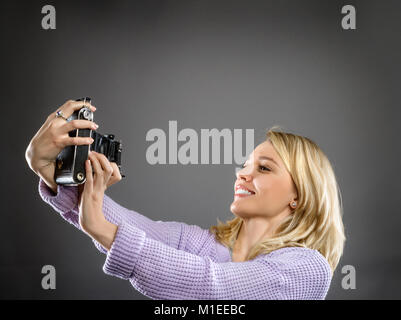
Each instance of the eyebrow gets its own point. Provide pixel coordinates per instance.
(268, 158)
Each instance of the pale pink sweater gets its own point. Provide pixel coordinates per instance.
(173, 260)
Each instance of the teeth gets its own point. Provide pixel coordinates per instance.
(242, 191)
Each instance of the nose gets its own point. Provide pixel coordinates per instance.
(245, 173)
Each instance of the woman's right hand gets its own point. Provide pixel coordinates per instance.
(53, 137)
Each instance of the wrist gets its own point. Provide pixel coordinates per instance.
(45, 170)
(31, 158)
(49, 182)
(103, 232)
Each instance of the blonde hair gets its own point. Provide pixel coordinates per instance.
(316, 223)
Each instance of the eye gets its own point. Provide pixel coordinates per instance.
(264, 168)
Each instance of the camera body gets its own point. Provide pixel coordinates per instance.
(70, 162)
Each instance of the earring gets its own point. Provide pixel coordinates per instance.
(294, 204)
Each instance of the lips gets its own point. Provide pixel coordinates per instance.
(242, 192)
(242, 195)
(241, 186)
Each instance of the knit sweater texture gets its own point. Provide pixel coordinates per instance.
(169, 260)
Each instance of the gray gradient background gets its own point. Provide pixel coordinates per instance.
(207, 64)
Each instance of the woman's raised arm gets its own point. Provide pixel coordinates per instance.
(65, 202)
(41, 155)
(162, 272)
(179, 235)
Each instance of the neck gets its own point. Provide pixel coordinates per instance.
(254, 230)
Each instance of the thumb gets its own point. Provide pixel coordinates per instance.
(116, 175)
(80, 190)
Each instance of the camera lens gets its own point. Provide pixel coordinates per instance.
(86, 114)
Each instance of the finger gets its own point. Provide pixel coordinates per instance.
(81, 188)
(116, 171)
(116, 176)
(78, 124)
(70, 106)
(78, 141)
(98, 177)
(89, 176)
(106, 166)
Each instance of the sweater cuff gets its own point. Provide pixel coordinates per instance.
(65, 200)
(124, 251)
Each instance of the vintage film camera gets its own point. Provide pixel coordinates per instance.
(70, 162)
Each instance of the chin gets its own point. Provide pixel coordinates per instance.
(240, 210)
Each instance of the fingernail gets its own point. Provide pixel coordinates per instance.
(95, 126)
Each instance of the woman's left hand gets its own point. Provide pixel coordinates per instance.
(91, 217)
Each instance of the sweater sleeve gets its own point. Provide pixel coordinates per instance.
(162, 272)
(178, 235)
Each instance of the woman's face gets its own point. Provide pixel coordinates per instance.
(270, 182)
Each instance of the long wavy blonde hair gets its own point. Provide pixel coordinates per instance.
(316, 223)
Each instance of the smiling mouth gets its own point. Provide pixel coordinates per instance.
(243, 194)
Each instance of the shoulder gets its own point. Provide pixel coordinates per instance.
(297, 255)
(305, 272)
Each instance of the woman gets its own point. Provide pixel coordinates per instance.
(284, 242)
